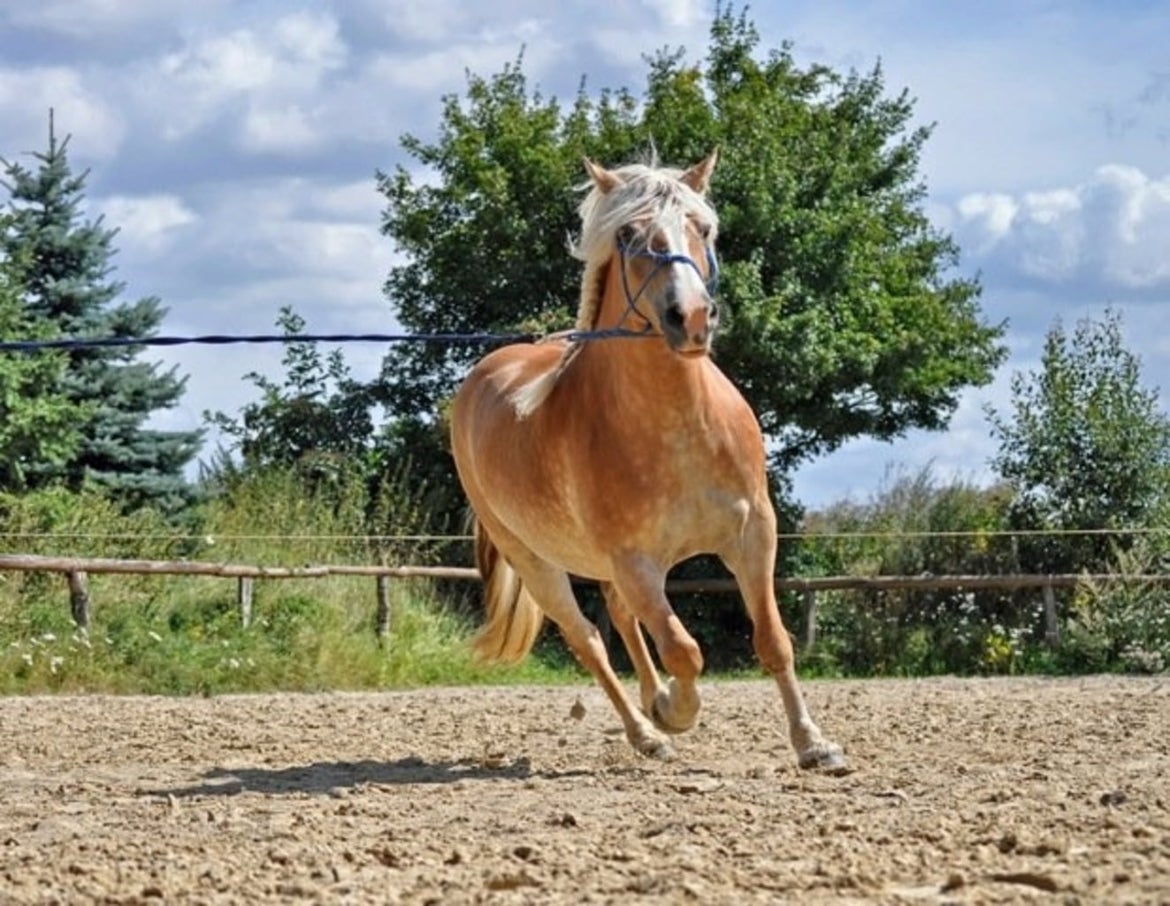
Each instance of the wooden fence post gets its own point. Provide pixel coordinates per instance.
(79, 598)
(1051, 624)
(244, 599)
(382, 614)
(810, 618)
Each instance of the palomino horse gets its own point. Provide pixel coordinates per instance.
(614, 459)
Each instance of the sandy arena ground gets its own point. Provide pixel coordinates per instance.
(963, 791)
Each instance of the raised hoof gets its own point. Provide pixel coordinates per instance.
(827, 758)
(657, 714)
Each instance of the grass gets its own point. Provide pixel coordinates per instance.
(182, 636)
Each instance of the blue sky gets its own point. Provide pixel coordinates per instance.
(234, 144)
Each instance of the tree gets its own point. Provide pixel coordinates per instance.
(1085, 448)
(38, 424)
(318, 420)
(64, 271)
(844, 318)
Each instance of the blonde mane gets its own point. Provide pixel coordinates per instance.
(640, 192)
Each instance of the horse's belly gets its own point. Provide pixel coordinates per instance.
(550, 527)
(585, 539)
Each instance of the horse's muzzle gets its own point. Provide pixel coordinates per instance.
(690, 332)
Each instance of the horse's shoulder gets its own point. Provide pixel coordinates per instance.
(526, 374)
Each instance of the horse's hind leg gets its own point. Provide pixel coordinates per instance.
(649, 684)
(752, 567)
(550, 588)
(640, 585)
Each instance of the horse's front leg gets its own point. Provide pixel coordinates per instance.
(640, 584)
(753, 564)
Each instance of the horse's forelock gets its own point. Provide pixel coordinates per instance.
(644, 192)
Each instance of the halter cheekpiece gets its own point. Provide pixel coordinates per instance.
(661, 260)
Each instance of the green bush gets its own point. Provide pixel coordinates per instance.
(1122, 625)
(912, 526)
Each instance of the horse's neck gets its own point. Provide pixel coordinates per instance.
(640, 370)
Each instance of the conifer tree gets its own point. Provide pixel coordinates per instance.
(38, 424)
(63, 266)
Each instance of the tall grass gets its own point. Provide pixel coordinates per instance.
(183, 634)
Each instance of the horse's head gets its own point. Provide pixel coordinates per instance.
(658, 228)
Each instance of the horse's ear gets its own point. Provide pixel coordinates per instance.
(602, 178)
(698, 177)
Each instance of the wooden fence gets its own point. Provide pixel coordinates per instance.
(77, 569)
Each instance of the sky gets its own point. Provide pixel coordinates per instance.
(234, 145)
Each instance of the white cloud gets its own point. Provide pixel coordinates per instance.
(1112, 230)
(989, 216)
(444, 23)
(288, 128)
(275, 76)
(27, 95)
(89, 18)
(426, 20)
(678, 13)
(146, 222)
(438, 70)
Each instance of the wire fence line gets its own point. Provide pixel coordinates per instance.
(77, 571)
(892, 534)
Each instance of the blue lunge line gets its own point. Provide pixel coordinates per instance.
(454, 339)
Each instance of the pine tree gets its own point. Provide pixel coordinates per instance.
(63, 266)
(38, 424)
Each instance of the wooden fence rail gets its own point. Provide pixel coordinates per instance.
(77, 569)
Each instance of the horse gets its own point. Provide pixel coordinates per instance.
(614, 458)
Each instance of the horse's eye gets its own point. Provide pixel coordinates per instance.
(626, 235)
(705, 230)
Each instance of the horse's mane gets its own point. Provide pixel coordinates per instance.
(642, 192)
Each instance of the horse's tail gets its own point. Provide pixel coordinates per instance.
(513, 617)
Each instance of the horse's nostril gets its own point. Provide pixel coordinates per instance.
(674, 316)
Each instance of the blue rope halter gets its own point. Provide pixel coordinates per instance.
(661, 260)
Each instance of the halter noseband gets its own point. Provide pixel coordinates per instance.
(661, 260)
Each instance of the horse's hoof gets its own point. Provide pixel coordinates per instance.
(661, 723)
(662, 704)
(826, 758)
(658, 749)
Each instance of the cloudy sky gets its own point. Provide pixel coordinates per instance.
(234, 144)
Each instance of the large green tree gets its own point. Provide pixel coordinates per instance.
(846, 316)
(1085, 448)
(63, 267)
(38, 423)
